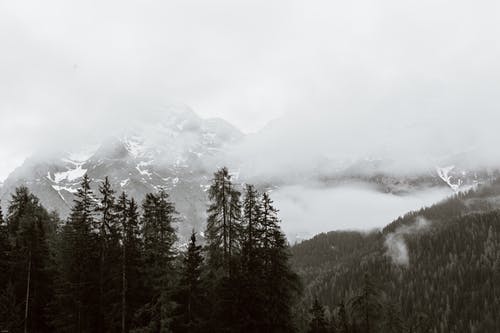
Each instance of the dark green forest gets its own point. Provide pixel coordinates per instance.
(117, 265)
(450, 283)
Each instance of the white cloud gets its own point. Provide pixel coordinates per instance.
(395, 242)
(395, 78)
(308, 210)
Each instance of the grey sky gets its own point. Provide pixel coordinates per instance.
(376, 77)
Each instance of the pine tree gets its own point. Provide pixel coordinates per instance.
(281, 285)
(4, 252)
(191, 294)
(270, 225)
(159, 235)
(122, 216)
(28, 224)
(252, 215)
(367, 306)
(135, 261)
(318, 323)
(77, 257)
(105, 223)
(131, 261)
(223, 236)
(223, 226)
(252, 293)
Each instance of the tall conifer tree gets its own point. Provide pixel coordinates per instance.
(282, 283)
(270, 224)
(4, 251)
(131, 261)
(367, 306)
(109, 253)
(77, 256)
(29, 227)
(318, 323)
(191, 296)
(252, 280)
(223, 228)
(223, 236)
(159, 235)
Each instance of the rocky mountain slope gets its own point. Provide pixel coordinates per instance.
(178, 154)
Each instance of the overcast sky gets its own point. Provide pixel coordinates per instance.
(366, 74)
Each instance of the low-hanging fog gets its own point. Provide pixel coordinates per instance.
(306, 211)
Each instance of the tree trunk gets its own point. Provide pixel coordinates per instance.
(124, 288)
(26, 309)
(224, 222)
(101, 292)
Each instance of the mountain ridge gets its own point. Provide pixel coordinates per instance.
(179, 152)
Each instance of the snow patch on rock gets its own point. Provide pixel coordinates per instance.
(142, 171)
(445, 174)
(70, 175)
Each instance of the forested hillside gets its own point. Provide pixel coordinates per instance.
(434, 270)
(115, 267)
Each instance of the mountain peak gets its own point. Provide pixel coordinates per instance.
(177, 151)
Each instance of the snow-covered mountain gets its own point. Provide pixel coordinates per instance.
(180, 151)
(178, 154)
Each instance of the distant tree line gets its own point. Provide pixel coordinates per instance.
(113, 266)
(451, 283)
